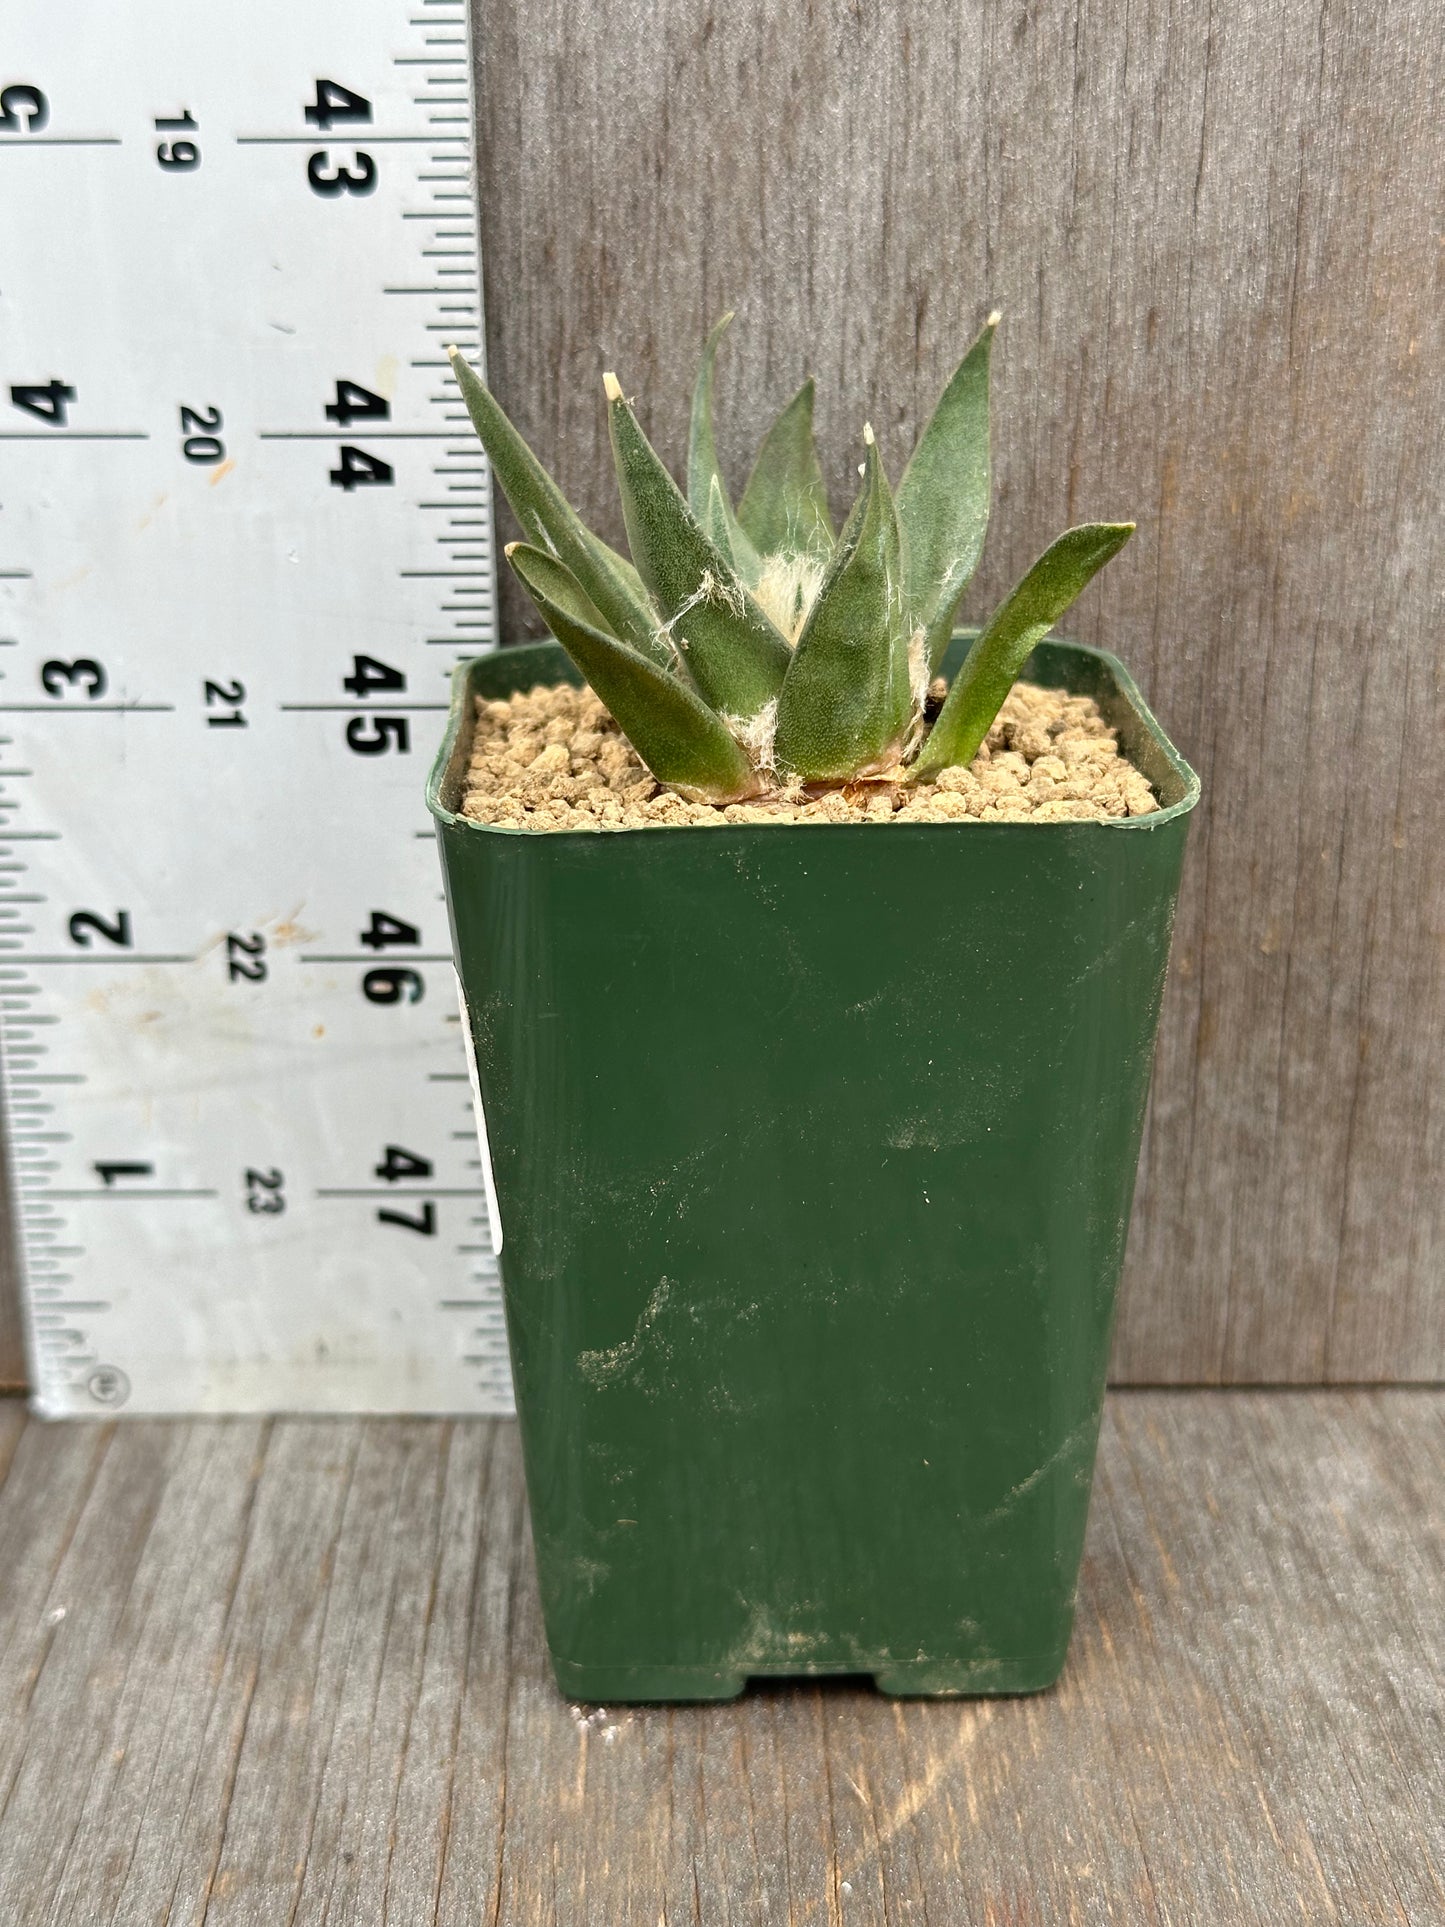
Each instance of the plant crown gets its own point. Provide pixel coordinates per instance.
(749, 648)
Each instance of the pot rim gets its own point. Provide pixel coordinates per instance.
(446, 766)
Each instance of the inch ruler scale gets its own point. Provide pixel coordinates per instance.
(245, 532)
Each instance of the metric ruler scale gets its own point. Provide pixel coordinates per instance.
(244, 535)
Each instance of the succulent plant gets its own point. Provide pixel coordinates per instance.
(752, 648)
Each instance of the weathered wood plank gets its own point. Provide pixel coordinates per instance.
(1213, 235)
(453, 1790)
(294, 1672)
(132, 1694)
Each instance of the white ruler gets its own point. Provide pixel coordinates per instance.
(244, 534)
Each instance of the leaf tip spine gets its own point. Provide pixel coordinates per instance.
(611, 386)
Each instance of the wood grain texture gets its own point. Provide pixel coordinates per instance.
(1213, 231)
(292, 1672)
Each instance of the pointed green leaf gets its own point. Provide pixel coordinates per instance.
(702, 462)
(703, 468)
(541, 574)
(674, 732)
(733, 653)
(943, 497)
(544, 512)
(1061, 573)
(847, 700)
(785, 505)
(715, 522)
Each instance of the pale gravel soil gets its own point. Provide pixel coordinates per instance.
(551, 758)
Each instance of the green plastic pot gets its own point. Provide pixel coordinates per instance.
(813, 1150)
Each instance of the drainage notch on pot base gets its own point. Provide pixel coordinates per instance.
(922, 1679)
(813, 1148)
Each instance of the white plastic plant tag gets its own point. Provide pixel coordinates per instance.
(484, 1148)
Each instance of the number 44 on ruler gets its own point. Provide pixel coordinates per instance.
(244, 534)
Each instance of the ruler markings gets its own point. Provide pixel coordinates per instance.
(372, 140)
(374, 435)
(221, 1078)
(75, 435)
(465, 1191)
(110, 963)
(361, 957)
(129, 1197)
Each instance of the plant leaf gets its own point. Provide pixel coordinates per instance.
(785, 505)
(680, 739)
(610, 581)
(715, 521)
(943, 497)
(847, 700)
(732, 652)
(541, 575)
(702, 463)
(1026, 615)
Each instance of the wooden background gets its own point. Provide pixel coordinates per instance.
(1215, 233)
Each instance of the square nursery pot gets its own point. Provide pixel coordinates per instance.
(813, 1150)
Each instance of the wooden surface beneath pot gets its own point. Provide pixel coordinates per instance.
(254, 1673)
